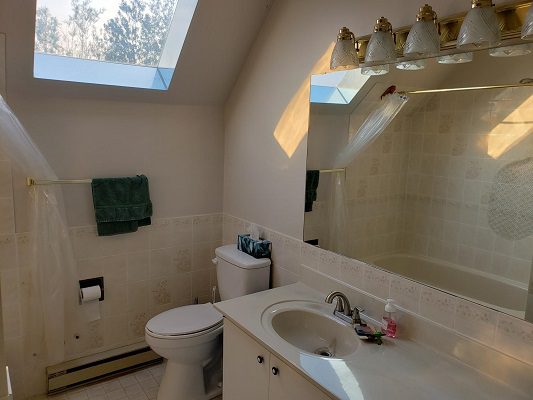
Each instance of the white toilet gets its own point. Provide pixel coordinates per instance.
(190, 337)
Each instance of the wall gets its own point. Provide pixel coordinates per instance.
(267, 113)
(423, 187)
(457, 146)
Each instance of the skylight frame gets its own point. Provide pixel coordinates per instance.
(72, 69)
(339, 87)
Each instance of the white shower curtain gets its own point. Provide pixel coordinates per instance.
(52, 287)
(337, 215)
(374, 125)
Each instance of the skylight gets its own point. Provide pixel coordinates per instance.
(131, 43)
(337, 87)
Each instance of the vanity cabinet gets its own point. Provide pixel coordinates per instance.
(252, 372)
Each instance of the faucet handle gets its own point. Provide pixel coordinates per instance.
(356, 317)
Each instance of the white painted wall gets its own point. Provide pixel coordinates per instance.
(262, 183)
(179, 148)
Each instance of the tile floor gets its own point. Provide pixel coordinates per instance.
(139, 385)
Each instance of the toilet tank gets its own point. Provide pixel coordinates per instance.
(239, 274)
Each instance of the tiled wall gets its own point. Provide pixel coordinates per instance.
(423, 187)
(376, 193)
(163, 266)
(426, 313)
(457, 144)
(157, 268)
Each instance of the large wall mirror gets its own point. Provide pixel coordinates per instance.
(439, 188)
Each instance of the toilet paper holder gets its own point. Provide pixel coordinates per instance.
(84, 283)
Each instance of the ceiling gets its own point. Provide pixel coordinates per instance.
(216, 47)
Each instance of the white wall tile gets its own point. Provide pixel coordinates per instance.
(475, 321)
(437, 306)
(515, 337)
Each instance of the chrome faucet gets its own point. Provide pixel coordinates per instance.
(344, 312)
(342, 305)
(343, 309)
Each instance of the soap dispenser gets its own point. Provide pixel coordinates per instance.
(389, 319)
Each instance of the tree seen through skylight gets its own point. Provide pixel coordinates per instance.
(136, 34)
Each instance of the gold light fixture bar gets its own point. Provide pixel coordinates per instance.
(511, 17)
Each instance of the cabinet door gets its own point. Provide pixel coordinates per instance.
(287, 384)
(246, 366)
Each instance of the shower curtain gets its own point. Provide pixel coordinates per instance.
(52, 288)
(372, 127)
(337, 215)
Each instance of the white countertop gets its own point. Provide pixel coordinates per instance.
(398, 369)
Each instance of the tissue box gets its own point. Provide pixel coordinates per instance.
(255, 248)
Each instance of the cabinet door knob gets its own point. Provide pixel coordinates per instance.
(275, 370)
(260, 359)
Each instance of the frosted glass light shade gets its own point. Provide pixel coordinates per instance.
(512, 51)
(344, 55)
(411, 65)
(380, 48)
(479, 29)
(527, 28)
(375, 70)
(423, 39)
(460, 58)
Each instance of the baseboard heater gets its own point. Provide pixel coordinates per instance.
(71, 374)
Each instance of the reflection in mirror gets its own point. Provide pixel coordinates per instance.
(441, 188)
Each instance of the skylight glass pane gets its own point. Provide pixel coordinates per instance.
(84, 40)
(337, 87)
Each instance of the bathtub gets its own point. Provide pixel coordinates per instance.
(503, 295)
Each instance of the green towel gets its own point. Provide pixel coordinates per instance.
(311, 185)
(121, 205)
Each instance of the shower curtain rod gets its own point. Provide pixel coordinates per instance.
(32, 181)
(464, 89)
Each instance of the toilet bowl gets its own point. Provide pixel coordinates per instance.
(189, 338)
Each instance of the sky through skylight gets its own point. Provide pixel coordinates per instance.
(70, 35)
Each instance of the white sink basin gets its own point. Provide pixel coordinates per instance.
(311, 328)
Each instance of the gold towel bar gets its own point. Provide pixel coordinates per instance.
(32, 181)
(328, 171)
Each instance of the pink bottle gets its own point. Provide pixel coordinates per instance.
(389, 319)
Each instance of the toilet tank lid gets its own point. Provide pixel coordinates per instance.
(231, 254)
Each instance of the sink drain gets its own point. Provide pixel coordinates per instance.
(324, 352)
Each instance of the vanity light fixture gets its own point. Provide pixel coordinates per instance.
(381, 47)
(480, 27)
(375, 70)
(411, 65)
(423, 39)
(527, 28)
(460, 58)
(344, 55)
(512, 51)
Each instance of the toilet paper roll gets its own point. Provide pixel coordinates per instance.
(89, 302)
(90, 293)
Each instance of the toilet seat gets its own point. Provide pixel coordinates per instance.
(184, 322)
